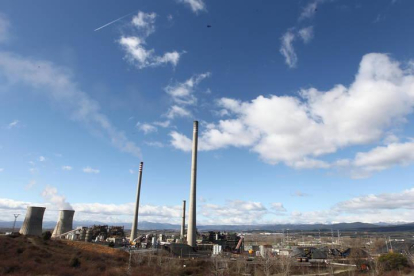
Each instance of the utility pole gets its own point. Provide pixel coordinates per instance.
(14, 223)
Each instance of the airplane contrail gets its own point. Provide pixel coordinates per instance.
(113, 21)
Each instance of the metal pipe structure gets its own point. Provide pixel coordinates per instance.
(134, 229)
(33, 221)
(191, 232)
(183, 222)
(64, 223)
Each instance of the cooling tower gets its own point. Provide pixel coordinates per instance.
(183, 223)
(191, 232)
(64, 223)
(134, 229)
(32, 224)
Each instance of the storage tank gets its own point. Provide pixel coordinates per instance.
(33, 221)
(64, 223)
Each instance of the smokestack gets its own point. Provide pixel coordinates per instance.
(134, 229)
(32, 224)
(64, 223)
(191, 232)
(183, 222)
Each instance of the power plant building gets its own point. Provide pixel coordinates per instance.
(33, 221)
(64, 223)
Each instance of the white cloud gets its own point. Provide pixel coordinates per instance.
(195, 5)
(163, 124)
(146, 128)
(90, 170)
(50, 195)
(30, 184)
(300, 194)
(145, 22)
(385, 207)
(56, 83)
(388, 201)
(4, 28)
(135, 46)
(42, 158)
(177, 111)
(67, 168)
(382, 158)
(155, 144)
(180, 141)
(310, 9)
(233, 212)
(183, 92)
(141, 57)
(287, 50)
(13, 124)
(296, 130)
(278, 207)
(306, 34)
(33, 170)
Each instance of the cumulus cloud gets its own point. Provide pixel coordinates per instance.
(56, 83)
(385, 201)
(287, 49)
(374, 208)
(299, 130)
(90, 170)
(195, 5)
(380, 158)
(135, 46)
(234, 212)
(180, 141)
(50, 195)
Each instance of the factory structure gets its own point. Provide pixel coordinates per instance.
(186, 243)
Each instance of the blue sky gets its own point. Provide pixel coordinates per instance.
(305, 109)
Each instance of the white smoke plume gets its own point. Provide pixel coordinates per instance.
(50, 194)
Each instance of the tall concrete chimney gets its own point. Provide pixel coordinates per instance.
(183, 222)
(134, 229)
(33, 221)
(191, 232)
(64, 223)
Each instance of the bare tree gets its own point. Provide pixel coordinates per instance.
(219, 266)
(268, 263)
(284, 265)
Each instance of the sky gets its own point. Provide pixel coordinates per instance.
(305, 109)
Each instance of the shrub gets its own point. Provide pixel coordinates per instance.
(111, 244)
(74, 262)
(393, 261)
(46, 235)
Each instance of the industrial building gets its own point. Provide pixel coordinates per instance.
(33, 221)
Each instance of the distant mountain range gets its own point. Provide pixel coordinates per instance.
(145, 225)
